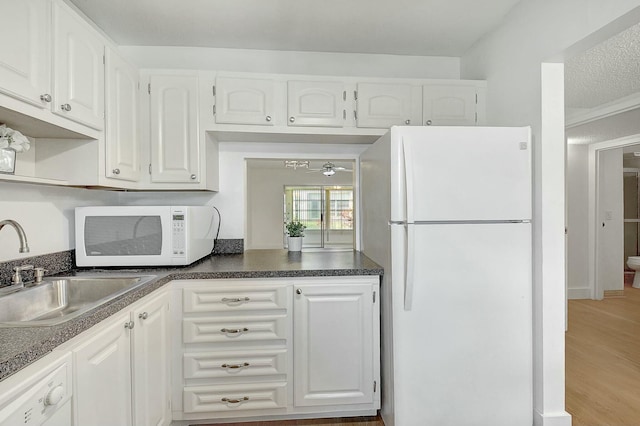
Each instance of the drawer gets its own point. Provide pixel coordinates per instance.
(234, 329)
(229, 298)
(246, 363)
(262, 396)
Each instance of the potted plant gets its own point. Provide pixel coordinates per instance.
(295, 230)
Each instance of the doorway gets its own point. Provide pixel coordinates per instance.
(327, 213)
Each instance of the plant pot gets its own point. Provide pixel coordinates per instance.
(295, 243)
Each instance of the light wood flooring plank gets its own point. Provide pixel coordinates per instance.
(603, 361)
(342, 421)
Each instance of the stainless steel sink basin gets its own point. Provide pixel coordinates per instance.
(60, 299)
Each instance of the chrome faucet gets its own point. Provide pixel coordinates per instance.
(24, 247)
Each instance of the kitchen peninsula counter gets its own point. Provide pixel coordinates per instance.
(21, 346)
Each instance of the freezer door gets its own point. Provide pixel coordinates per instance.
(466, 173)
(462, 354)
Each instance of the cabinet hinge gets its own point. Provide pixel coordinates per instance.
(374, 297)
(344, 114)
(375, 386)
(214, 110)
(344, 95)
(149, 88)
(103, 60)
(355, 95)
(476, 99)
(355, 114)
(149, 168)
(476, 117)
(213, 89)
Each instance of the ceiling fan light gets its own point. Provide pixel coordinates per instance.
(329, 172)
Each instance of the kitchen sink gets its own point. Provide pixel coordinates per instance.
(60, 299)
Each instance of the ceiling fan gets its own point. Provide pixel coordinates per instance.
(330, 169)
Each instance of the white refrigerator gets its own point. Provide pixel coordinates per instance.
(447, 212)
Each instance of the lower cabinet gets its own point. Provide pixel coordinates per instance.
(282, 348)
(122, 370)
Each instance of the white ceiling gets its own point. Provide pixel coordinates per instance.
(604, 73)
(405, 27)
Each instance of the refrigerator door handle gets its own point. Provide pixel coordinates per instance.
(408, 179)
(409, 265)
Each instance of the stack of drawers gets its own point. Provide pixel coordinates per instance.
(236, 338)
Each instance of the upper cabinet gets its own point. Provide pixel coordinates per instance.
(381, 105)
(78, 69)
(24, 52)
(175, 147)
(122, 147)
(245, 101)
(316, 103)
(450, 104)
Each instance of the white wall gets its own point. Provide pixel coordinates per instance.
(610, 235)
(578, 221)
(47, 215)
(291, 62)
(264, 201)
(524, 92)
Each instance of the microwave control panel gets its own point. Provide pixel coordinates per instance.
(179, 236)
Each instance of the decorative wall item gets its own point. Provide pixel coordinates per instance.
(11, 142)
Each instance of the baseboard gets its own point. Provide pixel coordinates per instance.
(613, 293)
(579, 293)
(555, 419)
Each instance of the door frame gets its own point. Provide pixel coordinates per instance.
(596, 288)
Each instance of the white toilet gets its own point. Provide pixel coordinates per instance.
(633, 262)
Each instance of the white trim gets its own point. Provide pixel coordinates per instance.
(597, 292)
(618, 106)
(555, 419)
(579, 293)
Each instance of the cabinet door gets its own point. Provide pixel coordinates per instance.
(122, 143)
(102, 391)
(78, 69)
(325, 318)
(384, 105)
(449, 105)
(245, 101)
(24, 52)
(175, 147)
(151, 379)
(316, 103)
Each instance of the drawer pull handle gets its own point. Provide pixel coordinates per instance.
(234, 330)
(234, 366)
(235, 401)
(235, 299)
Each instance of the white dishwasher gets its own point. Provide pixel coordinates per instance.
(39, 394)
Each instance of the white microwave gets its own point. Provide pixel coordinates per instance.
(143, 235)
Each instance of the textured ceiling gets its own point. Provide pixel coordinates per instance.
(604, 73)
(407, 27)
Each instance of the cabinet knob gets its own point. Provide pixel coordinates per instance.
(407, 122)
(45, 98)
(143, 316)
(116, 171)
(65, 107)
(193, 177)
(268, 118)
(129, 325)
(428, 123)
(292, 119)
(298, 291)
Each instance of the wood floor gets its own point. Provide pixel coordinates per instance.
(603, 361)
(347, 421)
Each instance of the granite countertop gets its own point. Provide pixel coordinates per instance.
(21, 346)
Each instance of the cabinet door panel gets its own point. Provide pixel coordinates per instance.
(122, 144)
(24, 52)
(78, 70)
(327, 317)
(235, 363)
(384, 105)
(244, 101)
(222, 298)
(315, 103)
(151, 382)
(234, 329)
(449, 105)
(102, 392)
(175, 150)
(235, 398)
